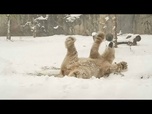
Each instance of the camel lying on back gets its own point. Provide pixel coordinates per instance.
(96, 64)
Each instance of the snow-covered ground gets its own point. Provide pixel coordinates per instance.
(27, 55)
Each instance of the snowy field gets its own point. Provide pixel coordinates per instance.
(27, 55)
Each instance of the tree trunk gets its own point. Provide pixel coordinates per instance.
(8, 27)
(115, 31)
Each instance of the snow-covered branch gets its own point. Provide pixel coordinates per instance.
(72, 17)
(42, 18)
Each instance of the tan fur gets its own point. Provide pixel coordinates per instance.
(98, 38)
(95, 65)
(108, 55)
(116, 68)
(71, 56)
(86, 68)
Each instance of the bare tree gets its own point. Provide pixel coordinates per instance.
(115, 30)
(8, 27)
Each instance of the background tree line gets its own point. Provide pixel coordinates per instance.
(50, 24)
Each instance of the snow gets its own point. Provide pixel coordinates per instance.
(94, 33)
(56, 27)
(106, 18)
(105, 26)
(27, 55)
(130, 37)
(42, 18)
(113, 27)
(120, 33)
(113, 18)
(27, 23)
(72, 17)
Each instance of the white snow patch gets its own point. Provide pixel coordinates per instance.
(28, 55)
(113, 17)
(130, 37)
(94, 33)
(72, 17)
(105, 26)
(120, 33)
(106, 18)
(42, 18)
(56, 27)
